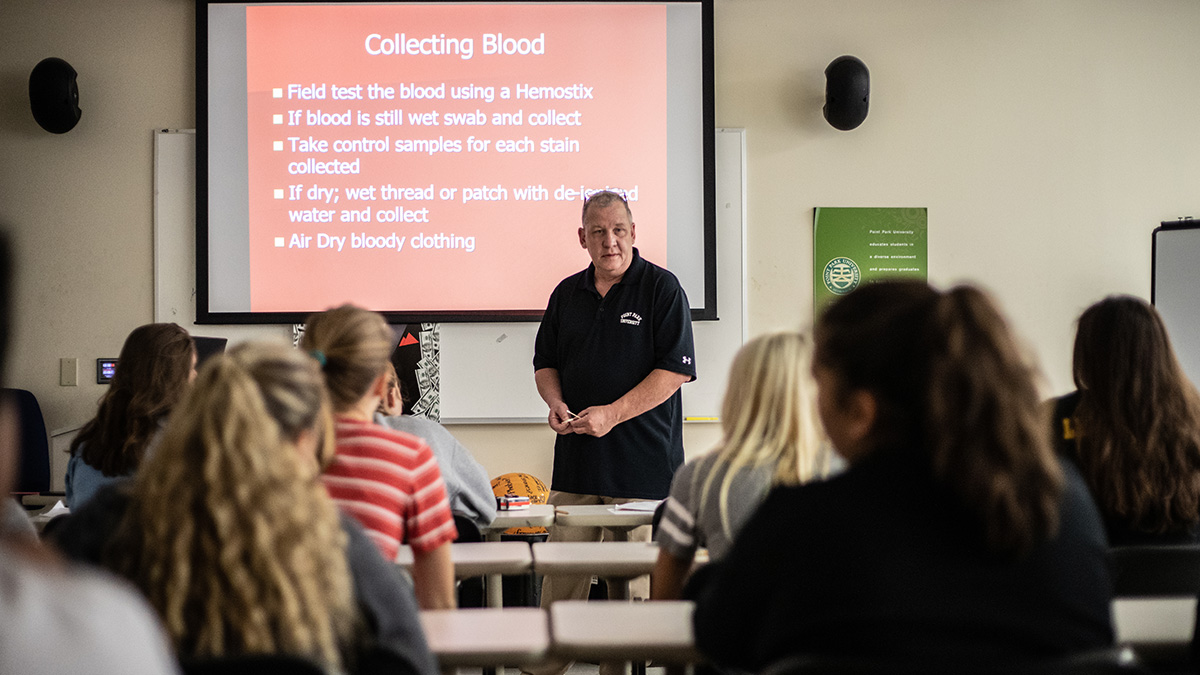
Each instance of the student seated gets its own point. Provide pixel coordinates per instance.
(466, 481)
(228, 531)
(59, 618)
(388, 480)
(156, 364)
(953, 541)
(1133, 425)
(771, 437)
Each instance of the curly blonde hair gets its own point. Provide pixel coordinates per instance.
(241, 549)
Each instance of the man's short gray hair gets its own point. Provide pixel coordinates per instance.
(605, 198)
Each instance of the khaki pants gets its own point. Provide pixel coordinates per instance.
(577, 587)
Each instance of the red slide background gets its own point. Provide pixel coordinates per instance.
(522, 248)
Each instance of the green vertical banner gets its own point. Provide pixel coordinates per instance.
(854, 246)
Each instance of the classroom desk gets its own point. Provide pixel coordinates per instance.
(537, 515)
(602, 515)
(624, 631)
(617, 562)
(485, 637)
(47, 513)
(477, 559)
(489, 558)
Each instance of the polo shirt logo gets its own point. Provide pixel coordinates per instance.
(631, 318)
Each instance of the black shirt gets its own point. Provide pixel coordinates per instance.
(882, 562)
(602, 348)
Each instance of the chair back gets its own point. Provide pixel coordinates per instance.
(207, 347)
(470, 591)
(34, 473)
(468, 531)
(657, 518)
(1156, 571)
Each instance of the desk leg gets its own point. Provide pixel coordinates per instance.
(494, 594)
(495, 591)
(618, 589)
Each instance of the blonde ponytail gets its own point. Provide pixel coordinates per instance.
(355, 345)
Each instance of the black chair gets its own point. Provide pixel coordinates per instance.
(470, 591)
(1160, 572)
(250, 664)
(1155, 571)
(34, 475)
(1108, 661)
(657, 518)
(379, 661)
(207, 347)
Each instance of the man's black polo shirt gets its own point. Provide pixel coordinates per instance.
(602, 348)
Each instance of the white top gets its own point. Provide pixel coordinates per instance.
(75, 621)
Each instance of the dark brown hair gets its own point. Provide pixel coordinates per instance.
(152, 375)
(1137, 423)
(952, 388)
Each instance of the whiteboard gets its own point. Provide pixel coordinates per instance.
(486, 369)
(1174, 280)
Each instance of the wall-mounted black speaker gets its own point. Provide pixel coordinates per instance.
(847, 92)
(54, 95)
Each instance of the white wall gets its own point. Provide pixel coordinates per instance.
(1046, 138)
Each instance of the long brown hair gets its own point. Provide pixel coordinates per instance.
(152, 375)
(951, 386)
(232, 537)
(1137, 424)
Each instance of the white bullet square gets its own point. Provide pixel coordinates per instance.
(277, 92)
(278, 193)
(279, 242)
(277, 119)
(278, 145)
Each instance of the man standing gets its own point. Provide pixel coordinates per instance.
(613, 349)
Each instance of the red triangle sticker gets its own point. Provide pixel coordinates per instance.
(407, 340)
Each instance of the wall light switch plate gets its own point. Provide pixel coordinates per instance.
(68, 372)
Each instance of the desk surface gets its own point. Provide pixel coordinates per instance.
(486, 637)
(479, 558)
(625, 631)
(537, 515)
(609, 559)
(601, 515)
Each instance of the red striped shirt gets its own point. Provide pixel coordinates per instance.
(390, 482)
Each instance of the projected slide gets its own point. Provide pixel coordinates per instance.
(435, 157)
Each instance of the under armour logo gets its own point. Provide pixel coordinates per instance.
(687, 360)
